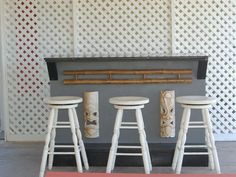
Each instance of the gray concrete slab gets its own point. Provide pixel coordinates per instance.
(23, 160)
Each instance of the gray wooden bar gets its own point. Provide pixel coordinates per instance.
(151, 112)
(161, 149)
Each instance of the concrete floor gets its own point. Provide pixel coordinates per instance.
(23, 160)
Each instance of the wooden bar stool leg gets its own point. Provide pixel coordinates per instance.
(113, 149)
(148, 153)
(75, 141)
(146, 143)
(142, 141)
(81, 143)
(149, 157)
(209, 147)
(212, 140)
(184, 130)
(114, 158)
(210, 156)
(178, 144)
(47, 141)
(52, 143)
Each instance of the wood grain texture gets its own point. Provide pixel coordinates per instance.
(150, 76)
(127, 81)
(167, 113)
(91, 115)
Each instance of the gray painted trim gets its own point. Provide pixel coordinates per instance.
(172, 57)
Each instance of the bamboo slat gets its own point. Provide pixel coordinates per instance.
(127, 81)
(176, 78)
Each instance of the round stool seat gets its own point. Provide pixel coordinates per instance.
(127, 103)
(203, 104)
(61, 100)
(129, 100)
(195, 100)
(56, 104)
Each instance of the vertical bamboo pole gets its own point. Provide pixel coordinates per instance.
(91, 115)
(167, 113)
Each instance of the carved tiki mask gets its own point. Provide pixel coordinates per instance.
(91, 115)
(167, 113)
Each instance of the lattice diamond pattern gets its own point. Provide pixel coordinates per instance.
(27, 81)
(56, 27)
(123, 27)
(209, 26)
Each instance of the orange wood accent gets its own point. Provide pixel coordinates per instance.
(173, 76)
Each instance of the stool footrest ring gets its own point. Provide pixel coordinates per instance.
(129, 147)
(63, 123)
(61, 126)
(196, 153)
(64, 146)
(129, 123)
(129, 154)
(61, 153)
(196, 126)
(196, 122)
(195, 146)
(128, 127)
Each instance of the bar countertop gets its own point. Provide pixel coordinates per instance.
(201, 59)
(171, 57)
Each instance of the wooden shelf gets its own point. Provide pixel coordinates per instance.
(144, 76)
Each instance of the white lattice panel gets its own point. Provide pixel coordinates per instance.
(209, 26)
(26, 72)
(34, 29)
(122, 27)
(56, 27)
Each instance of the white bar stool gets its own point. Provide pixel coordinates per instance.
(188, 103)
(55, 104)
(129, 103)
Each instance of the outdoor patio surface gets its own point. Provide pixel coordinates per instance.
(23, 160)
